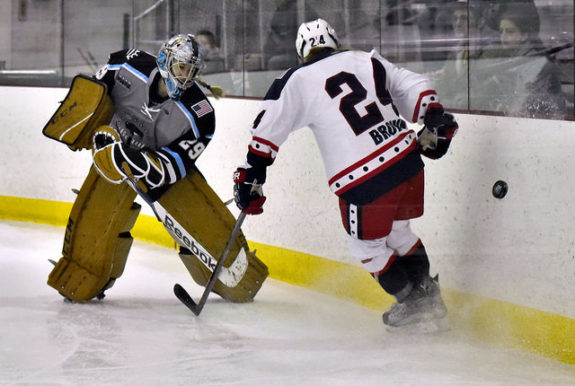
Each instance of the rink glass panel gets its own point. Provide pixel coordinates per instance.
(46, 43)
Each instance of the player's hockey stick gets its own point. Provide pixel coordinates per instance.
(183, 295)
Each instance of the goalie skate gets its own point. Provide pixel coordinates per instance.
(423, 304)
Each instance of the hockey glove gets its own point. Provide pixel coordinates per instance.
(104, 136)
(440, 127)
(117, 163)
(248, 192)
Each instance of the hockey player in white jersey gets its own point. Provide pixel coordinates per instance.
(357, 103)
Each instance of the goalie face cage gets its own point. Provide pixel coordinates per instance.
(179, 61)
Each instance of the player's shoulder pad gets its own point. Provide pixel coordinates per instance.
(141, 60)
(280, 82)
(118, 57)
(375, 53)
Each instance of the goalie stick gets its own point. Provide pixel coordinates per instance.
(183, 295)
(230, 276)
(233, 273)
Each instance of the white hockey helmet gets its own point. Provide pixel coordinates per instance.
(179, 61)
(312, 34)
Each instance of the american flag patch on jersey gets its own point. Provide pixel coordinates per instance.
(202, 108)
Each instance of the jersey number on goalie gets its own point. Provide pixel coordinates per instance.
(194, 148)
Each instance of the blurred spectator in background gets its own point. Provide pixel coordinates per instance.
(362, 28)
(278, 48)
(207, 40)
(399, 36)
(436, 32)
(523, 79)
(518, 26)
(472, 35)
(213, 60)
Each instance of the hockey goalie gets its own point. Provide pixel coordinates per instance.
(146, 122)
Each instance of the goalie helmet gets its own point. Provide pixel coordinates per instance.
(179, 61)
(316, 33)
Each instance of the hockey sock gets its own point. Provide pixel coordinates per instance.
(404, 272)
(415, 264)
(394, 279)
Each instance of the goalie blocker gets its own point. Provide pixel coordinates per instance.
(98, 238)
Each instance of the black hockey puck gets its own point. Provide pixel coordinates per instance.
(499, 189)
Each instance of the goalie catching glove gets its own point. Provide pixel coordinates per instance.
(117, 162)
(440, 127)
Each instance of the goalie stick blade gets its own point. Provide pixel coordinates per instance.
(185, 298)
(181, 293)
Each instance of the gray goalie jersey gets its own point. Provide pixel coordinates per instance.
(178, 130)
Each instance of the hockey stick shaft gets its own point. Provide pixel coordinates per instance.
(183, 238)
(181, 293)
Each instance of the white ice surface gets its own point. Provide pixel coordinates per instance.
(140, 334)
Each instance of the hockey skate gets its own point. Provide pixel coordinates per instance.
(423, 304)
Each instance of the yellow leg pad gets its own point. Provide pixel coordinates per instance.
(201, 213)
(97, 240)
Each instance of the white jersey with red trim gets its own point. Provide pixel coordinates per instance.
(354, 102)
